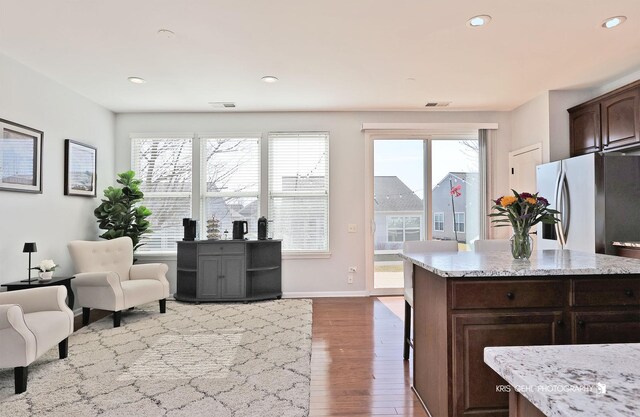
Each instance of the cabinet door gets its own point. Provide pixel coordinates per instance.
(474, 383)
(621, 120)
(606, 327)
(208, 276)
(232, 277)
(585, 129)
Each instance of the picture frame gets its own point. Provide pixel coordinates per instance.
(20, 158)
(80, 169)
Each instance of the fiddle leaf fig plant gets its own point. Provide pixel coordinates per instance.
(120, 213)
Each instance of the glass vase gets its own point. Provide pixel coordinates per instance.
(521, 243)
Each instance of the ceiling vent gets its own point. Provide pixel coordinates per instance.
(437, 104)
(222, 104)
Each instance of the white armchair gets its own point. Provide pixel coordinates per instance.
(32, 322)
(107, 279)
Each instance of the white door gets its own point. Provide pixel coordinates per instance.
(522, 168)
(522, 172)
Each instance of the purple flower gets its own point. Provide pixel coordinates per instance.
(498, 201)
(524, 196)
(543, 200)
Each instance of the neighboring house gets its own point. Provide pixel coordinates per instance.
(456, 193)
(399, 214)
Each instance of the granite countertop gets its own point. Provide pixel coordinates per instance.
(627, 244)
(498, 264)
(573, 380)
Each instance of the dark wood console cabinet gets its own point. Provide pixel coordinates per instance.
(229, 270)
(456, 318)
(607, 123)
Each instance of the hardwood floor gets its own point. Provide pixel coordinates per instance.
(356, 363)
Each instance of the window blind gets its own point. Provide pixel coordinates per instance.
(165, 167)
(299, 190)
(230, 181)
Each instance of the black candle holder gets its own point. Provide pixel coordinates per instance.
(189, 229)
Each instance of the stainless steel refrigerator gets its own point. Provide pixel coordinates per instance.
(598, 196)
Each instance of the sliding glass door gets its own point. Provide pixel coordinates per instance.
(424, 188)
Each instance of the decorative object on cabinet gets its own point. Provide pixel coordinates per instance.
(263, 226)
(229, 270)
(80, 169)
(120, 212)
(189, 229)
(213, 228)
(108, 280)
(21, 153)
(29, 247)
(240, 228)
(522, 211)
(608, 122)
(46, 268)
(33, 321)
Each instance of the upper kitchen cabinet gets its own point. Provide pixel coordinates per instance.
(606, 123)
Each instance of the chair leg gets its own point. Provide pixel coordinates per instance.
(407, 329)
(163, 306)
(63, 348)
(117, 315)
(86, 312)
(20, 374)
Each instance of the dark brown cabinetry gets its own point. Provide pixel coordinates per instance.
(606, 123)
(456, 318)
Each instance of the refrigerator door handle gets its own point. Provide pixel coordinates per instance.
(558, 201)
(566, 209)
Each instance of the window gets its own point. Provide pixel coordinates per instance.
(230, 182)
(299, 190)
(438, 222)
(164, 165)
(403, 228)
(458, 225)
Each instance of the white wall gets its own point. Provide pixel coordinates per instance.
(50, 219)
(530, 125)
(347, 154)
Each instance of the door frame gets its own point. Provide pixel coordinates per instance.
(526, 149)
(426, 132)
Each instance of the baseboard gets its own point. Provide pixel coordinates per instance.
(323, 294)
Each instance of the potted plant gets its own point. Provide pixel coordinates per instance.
(522, 211)
(46, 268)
(120, 213)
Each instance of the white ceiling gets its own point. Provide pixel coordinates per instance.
(328, 54)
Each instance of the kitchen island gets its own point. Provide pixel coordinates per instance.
(570, 381)
(464, 302)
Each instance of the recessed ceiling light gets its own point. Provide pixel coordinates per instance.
(166, 33)
(270, 79)
(612, 22)
(480, 20)
(137, 80)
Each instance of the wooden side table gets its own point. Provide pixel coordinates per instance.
(66, 281)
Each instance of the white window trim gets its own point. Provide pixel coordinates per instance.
(297, 254)
(404, 227)
(464, 222)
(434, 221)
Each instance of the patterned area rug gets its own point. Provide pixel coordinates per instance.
(196, 360)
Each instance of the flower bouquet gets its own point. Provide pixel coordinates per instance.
(522, 211)
(46, 268)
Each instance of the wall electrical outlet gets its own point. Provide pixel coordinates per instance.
(353, 269)
(350, 279)
(352, 228)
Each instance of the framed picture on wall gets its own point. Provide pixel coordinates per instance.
(79, 169)
(20, 158)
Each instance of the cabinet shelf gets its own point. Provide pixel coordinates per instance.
(264, 268)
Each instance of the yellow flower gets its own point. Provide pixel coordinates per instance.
(508, 200)
(531, 200)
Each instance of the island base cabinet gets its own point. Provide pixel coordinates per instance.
(606, 327)
(519, 406)
(477, 390)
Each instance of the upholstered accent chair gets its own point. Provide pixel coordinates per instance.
(32, 322)
(107, 279)
(423, 246)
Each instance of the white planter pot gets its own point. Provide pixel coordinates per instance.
(45, 276)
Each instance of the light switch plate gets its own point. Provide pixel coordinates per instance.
(352, 228)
